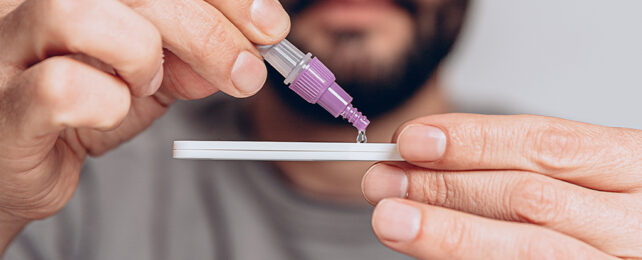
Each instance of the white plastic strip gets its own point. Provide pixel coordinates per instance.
(285, 151)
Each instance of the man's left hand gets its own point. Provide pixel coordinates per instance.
(517, 187)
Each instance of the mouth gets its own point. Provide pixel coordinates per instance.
(351, 15)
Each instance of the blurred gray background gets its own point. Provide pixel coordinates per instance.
(575, 59)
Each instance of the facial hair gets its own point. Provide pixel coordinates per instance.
(379, 88)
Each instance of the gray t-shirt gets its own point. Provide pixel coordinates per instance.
(136, 202)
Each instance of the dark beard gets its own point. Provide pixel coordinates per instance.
(380, 88)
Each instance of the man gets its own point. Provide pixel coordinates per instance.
(491, 187)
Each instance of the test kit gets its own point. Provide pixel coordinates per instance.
(315, 83)
(285, 151)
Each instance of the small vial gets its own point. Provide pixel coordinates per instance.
(312, 81)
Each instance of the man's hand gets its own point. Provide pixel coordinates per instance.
(511, 187)
(78, 78)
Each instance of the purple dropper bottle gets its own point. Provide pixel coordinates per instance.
(314, 82)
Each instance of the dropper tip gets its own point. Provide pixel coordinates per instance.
(361, 123)
(356, 118)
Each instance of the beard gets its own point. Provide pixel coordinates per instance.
(378, 86)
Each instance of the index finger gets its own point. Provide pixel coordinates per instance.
(593, 156)
(106, 30)
(214, 47)
(261, 21)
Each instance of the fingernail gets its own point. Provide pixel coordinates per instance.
(248, 73)
(384, 181)
(422, 143)
(155, 83)
(395, 221)
(270, 17)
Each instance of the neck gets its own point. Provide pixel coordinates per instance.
(339, 181)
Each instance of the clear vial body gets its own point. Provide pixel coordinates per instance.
(285, 58)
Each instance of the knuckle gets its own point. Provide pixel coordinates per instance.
(62, 8)
(454, 238)
(245, 3)
(432, 188)
(62, 20)
(119, 108)
(116, 117)
(211, 40)
(53, 81)
(149, 42)
(144, 53)
(477, 138)
(240, 5)
(109, 122)
(535, 201)
(216, 44)
(61, 14)
(554, 147)
(135, 4)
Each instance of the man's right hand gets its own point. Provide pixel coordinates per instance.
(78, 78)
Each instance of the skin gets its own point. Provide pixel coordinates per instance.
(492, 187)
(489, 187)
(524, 187)
(112, 54)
